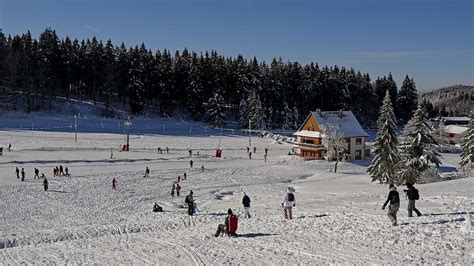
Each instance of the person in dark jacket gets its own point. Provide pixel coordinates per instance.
(37, 173)
(22, 174)
(412, 195)
(190, 201)
(394, 200)
(246, 202)
(45, 184)
(17, 171)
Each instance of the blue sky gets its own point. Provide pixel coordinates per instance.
(431, 40)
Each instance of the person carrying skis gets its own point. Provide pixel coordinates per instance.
(412, 195)
(246, 202)
(230, 225)
(45, 184)
(36, 173)
(190, 201)
(394, 200)
(114, 183)
(22, 174)
(288, 203)
(17, 171)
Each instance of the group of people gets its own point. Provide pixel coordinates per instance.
(231, 221)
(393, 201)
(36, 170)
(60, 171)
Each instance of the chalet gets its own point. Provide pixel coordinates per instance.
(311, 133)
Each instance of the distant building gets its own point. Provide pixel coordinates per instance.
(455, 120)
(452, 133)
(311, 133)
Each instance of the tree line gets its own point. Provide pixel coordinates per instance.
(204, 86)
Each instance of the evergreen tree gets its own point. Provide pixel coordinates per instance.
(136, 91)
(215, 111)
(467, 146)
(407, 99)
(417, 147)
(384, 165)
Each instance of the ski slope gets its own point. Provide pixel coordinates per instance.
(338, 216)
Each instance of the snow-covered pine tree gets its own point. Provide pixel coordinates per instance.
(384, 165)
(136, 92)
(467, 146)
(287, 117)
(256, 113)
(215, 111)
(417, 148)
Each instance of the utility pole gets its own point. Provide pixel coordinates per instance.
(75, 128)
(128, 124)
(250, 137)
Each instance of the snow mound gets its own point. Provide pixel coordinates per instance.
(224, 194)
(291, 160)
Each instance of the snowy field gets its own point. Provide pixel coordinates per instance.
(338, 216)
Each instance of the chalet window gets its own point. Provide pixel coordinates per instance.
(358, 140)
(309, 141)
(358, 153)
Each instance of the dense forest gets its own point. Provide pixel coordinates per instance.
(455, 100)
(203, 86)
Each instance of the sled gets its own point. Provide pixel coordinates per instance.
(233, 222)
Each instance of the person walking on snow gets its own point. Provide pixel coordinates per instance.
(250, 155)
(394, 200)
(178, 189)
(61, 170)
(36, 173)
(45, 184)
(67, 171)
(184, 176)
(17, 171)
(412, 195)
(288, 203)
(246, 202)
(147, 172)
(173, 187)
(230, 225)
(114, 183)
(254, 149)
(190, 201)
(22, 174)
(202, 168)
(191, 164)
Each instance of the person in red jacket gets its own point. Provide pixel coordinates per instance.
(230, 226)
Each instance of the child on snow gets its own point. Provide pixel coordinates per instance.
(289, 201)
(246, 202)
(394, 200)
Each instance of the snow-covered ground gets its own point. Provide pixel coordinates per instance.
(338, 215)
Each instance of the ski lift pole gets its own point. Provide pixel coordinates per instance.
(75, 128)
(220, 138)
(250, 136)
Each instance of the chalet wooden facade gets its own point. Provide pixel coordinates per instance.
(309, 137)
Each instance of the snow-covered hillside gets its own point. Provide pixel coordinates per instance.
(338, 216)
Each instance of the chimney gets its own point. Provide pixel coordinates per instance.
(318, 111)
